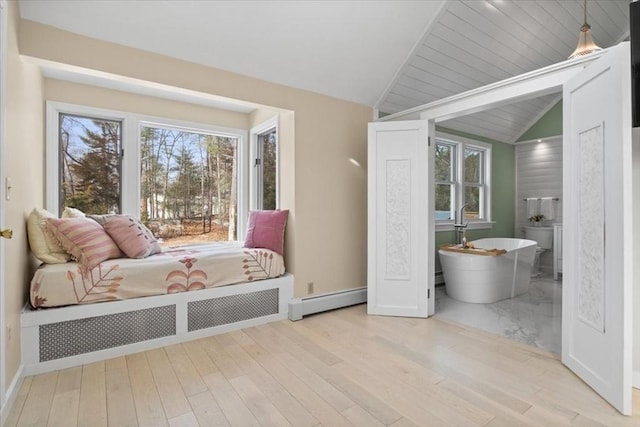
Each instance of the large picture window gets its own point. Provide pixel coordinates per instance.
(462, 177)
(187, 182)
(189, 179)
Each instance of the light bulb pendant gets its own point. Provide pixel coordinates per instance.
(586, 44)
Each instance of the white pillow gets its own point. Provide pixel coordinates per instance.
(43, 244)
(72, 213)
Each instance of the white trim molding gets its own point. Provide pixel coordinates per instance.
(12, 394)
(3, 112)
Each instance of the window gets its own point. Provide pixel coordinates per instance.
(186, 181)
(264, 149)
(445, 171)
(90, 163)
(462, 177)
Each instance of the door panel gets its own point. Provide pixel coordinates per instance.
(398, 279)
(597, 240)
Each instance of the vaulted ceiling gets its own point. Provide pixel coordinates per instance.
(391, 55)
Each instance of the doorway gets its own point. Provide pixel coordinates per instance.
(522, 173)
(596, 311)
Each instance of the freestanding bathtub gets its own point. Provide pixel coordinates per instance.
(485, 279)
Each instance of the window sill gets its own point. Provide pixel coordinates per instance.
(479, 225)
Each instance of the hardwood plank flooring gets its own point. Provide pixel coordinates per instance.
(335, 369)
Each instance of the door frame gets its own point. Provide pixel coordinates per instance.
(530, 85)
(3, 101)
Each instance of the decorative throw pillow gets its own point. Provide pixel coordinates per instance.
(85, 239)
(131, 236)
(101, 219)
(266, 230)
(72, 213)
(43, 245)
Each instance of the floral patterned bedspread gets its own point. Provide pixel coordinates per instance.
(175, 269)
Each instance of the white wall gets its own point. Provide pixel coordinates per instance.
(538, 174)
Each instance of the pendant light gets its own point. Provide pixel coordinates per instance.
(585, 41)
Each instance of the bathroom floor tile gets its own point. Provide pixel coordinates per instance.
(534, 318)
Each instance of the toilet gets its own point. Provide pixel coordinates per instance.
(544, 237)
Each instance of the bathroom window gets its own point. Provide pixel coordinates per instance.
(473, 183)
(462, 177)
(445, 170)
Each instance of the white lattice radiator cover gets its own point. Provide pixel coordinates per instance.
(70, 336)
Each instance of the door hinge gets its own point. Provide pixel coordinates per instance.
(429, 140)
(122, 153)
(428, 293)
(257, 162)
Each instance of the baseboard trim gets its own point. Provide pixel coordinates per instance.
(635, 381)
(300, 307)
(12, 393)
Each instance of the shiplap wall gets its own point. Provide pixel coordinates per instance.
(538, 174)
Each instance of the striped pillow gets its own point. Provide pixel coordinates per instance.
(131, 236)
(85, 239)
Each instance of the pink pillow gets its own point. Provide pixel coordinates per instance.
(131, 236)
(266, 230)
(85, 239)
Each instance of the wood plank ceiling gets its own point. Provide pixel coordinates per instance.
(474, 43)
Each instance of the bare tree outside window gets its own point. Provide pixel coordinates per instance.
(188, 185)
(90, 164)
(445, 180)
(461, 178)
(473, 180)
(268, 142)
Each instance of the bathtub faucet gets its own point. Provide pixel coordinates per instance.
(460, 226)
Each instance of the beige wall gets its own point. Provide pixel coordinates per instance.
(324, 190)
(73, 93)
(261, 115)
(24, 164)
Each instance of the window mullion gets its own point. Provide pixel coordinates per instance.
(460, 197)
(130, 166)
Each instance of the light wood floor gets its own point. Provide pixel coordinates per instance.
(340, 368)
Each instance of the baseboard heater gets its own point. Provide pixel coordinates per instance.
(300, 307)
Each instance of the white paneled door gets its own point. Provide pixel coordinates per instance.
(597, 276)
(398, 219)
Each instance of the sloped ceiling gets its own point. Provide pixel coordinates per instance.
(475, 43)
(391, 55)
